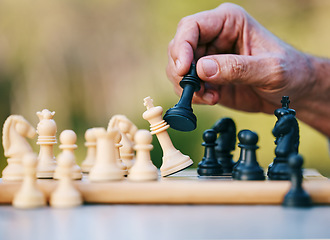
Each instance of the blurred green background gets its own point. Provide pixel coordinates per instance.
(89, 60)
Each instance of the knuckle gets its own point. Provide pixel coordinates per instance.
(231, 7)
(233, 68)
(278, 74)
(279, 71)
(185, 21)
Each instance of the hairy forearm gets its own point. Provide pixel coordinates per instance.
(314, 108)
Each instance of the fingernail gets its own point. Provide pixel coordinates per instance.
(210, 67)
(177, 64)
(208, 97)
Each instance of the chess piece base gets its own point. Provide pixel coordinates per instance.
(279, 170)
(86, 169)
(102, 175)
(29, 200)
(13, 171)
(58, 200)
(180, 119)
(45, 175)
(227, 163)
(128, 162)
(46, 170)
(251, 174)
(206, 168)
(297, 199)
(209, 171)
(174, 163)
(143, 176)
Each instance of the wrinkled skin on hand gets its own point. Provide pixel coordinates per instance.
(243, 65)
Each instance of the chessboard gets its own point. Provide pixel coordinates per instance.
(183, 188)
(118, 168)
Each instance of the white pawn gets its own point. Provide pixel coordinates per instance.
(143, 169)
(46, 130)
(68, 140)
(29, 196)
(127, 150)
(90, 143)
(106, 166)
(173, 160)
(65, 194)
(120, 162)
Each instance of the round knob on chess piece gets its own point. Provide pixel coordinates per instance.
(143, 137)
(209, 136)
(247, 137)
(90, 135)
(68, 137)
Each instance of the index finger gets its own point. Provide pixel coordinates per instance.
(193, 30)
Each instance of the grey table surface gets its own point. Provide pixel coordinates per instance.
(165, 222)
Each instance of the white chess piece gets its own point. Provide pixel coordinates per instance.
(173, 159)
(90, 143)
(15, 129)
(106, 166)
(68, 140)
(127, 130)
(65, 194)
(120, 162)
(46, 130)
(143, 169)
(29, 196)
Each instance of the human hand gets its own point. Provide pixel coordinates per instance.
(242, 65)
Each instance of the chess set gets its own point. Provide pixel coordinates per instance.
(118, 168)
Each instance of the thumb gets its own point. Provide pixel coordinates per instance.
(235, 69)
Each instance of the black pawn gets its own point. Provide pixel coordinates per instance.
(239, 164)
(297, 196)
(181, 116)
(250, 169)
(241, 161)
(209, 166)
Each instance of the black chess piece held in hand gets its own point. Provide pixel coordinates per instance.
(209, 166)
(297, 196)
(181, 116)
